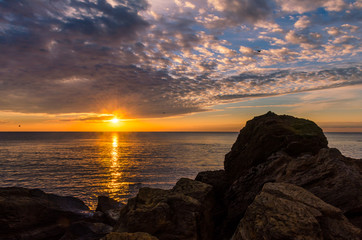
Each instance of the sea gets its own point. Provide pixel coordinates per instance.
(87, 165)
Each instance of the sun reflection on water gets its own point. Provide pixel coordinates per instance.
(117, 185)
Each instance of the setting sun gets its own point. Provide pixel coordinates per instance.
(115, 120)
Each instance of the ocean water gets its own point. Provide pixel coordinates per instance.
(86, 165)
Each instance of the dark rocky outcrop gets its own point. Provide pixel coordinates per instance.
(110, 208)
(183, 212)
(270, 133)
(286, 211)
(86, 230)
(329, 175)
(33, 214)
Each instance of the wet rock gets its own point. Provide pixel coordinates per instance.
(286, 211)
(183, 212)
(33, 214)
(129, 236)
(270, 133)
(329, 175)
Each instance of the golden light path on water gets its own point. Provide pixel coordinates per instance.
(117, 181)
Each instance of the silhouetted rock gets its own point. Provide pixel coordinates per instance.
(84, 230)
(270, 133)
(181, 213)
(33, 214)
(286, 211)
(106, 203)
(217, 179)
(110, 208)
(129, 236)
(329, 175)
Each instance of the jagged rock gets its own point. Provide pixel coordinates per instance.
(110, 208)
(286, 211)
(270, 133)
(329, 175)
(33, 214)
(129, 236)
(181, 213)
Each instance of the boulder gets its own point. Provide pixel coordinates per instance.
(184, 212)
(129, 236)
(286, 211)
(85, 230)
(270, 133)
(329, 175)
(110, 208)
(33, 214)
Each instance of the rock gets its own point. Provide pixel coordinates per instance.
(286, 211)
(329, 175)
(183, 212)
(270, 133)
(106, 203)
(217, 179)
(110, 208)
(83, 230)
(129, 236)
(33, 214)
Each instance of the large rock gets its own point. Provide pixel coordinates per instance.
(33, 214)
(286, 211)
(129, 236)
(270, 133)
(329, 175)
(181, 213)
(110, 209)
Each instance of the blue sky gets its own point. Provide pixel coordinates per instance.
(89, 60)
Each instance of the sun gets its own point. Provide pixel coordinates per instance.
(115, 120)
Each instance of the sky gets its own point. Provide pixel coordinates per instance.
(173, 65)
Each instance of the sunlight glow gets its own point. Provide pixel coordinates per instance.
(115, 120)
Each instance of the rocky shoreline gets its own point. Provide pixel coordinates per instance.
(281, 181)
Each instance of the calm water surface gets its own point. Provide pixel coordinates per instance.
(87, 165)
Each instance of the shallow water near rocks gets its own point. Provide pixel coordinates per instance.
(86, 165)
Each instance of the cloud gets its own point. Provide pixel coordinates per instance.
(303, 22)
(239, 11)
(95, 57)
(311, 5)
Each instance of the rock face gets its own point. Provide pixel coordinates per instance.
(270, 133)
(181, 213)
(329, 175)
(286, 211)
(33, 214)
